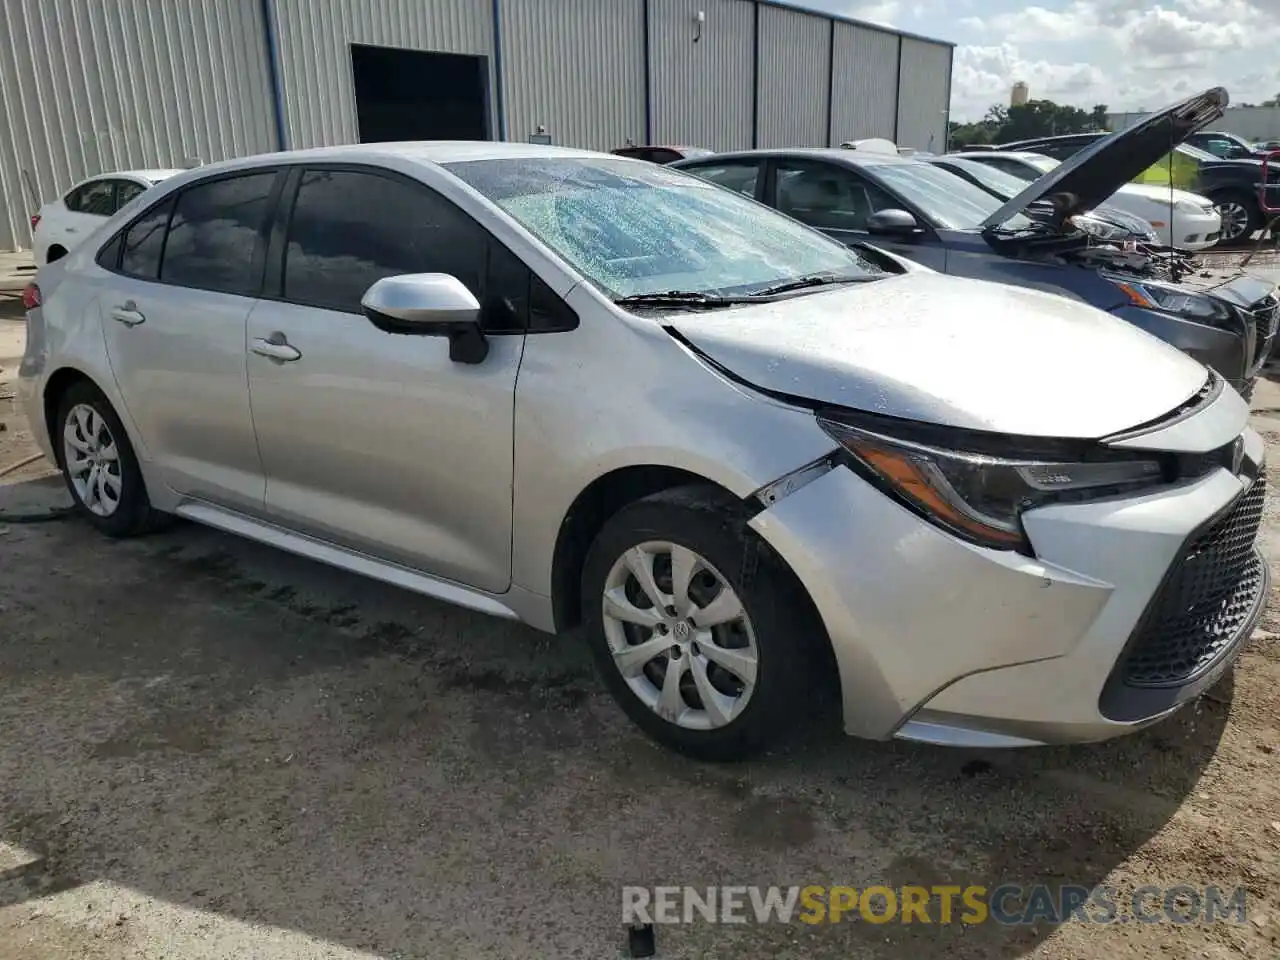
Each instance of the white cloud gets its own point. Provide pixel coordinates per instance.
(1123, 53)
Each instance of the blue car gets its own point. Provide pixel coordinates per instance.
(935, 217)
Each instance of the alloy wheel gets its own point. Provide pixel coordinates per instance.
(92, 460)
(680, 635)
(1235, 219)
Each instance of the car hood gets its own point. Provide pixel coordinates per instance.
(953, 352)
(1162, 195)
(1097, 171)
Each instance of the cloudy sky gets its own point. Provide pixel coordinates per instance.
(1129, 54)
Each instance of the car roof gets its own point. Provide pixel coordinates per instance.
(836, 154)
(422, 151)
(1061, 138)
(978, 155)
(150, 175)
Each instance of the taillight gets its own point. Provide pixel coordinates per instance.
(35, 220)
(30, 297)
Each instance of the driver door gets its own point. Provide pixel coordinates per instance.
(379, 441)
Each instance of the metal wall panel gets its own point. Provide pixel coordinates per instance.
(794, 72)
(865, 84)
(315, 36)
(88, 87)
(924, 94)
(575, 67)
(701, 93)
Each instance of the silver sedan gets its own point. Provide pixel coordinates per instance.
(574, 389)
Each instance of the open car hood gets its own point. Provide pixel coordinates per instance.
(1096, 172)
(952, 352)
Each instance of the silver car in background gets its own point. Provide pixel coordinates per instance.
(574, 389)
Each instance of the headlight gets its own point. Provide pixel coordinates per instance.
(1100, 229)
(1170, 299)
(978, 497)
(1186, 206)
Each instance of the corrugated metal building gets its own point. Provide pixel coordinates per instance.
(88, 86)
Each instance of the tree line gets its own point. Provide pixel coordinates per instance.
(1040, 118)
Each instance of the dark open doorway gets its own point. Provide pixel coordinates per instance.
(419, 95)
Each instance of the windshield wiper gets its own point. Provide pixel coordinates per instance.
(816, 280)
(683, 298)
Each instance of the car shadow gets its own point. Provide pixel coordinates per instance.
(239, 731)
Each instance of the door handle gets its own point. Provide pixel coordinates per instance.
(276, 347)
(128, 314)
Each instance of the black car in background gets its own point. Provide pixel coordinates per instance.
(1226, 146)
(1234, 186)
(661, 154)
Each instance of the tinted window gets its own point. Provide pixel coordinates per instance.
(1014, 168)
(659, 155)
(126, 190)
(96, 198)
(144, 241)
(829, 197)
(349, 229)
(741, 177)
(214, 233)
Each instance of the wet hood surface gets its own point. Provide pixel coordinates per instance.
(1096, 172)
(962, 353)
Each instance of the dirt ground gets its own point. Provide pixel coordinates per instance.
(212, 749)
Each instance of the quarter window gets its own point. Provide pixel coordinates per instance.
(215, 232)
(144, 242)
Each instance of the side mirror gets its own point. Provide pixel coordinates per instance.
(429, 305)
(897, 222)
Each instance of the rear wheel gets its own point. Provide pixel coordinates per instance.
(696, 628)
(1241, 217)
(99, 465)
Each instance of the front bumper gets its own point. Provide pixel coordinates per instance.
(939, 640)
(1195, 231)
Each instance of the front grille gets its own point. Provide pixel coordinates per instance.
(1265, 314)
(1205, 602)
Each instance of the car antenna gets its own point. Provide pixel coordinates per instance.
(1175, 264)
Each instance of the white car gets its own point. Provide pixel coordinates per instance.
(1181, 219)
(64, 222)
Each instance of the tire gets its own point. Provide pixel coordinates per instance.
(777, 620)
(1237, 207)
(97, 437)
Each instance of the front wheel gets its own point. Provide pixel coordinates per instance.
(696, 628)
(1241, 217)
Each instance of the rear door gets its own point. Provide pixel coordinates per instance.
(184, 275)
(374, 440)
(838, 201)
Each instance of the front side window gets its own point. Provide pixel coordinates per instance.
(829, 197)
(350, 229)
(96, 198)
(126, 190)
(634, 230)
(214, 233)
(741, 177)
(947, 199)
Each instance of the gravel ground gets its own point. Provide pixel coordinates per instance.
(212, 749)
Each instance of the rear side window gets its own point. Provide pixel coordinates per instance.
(96, 198)
(143, 243)
(215, 232)
(350, 229)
